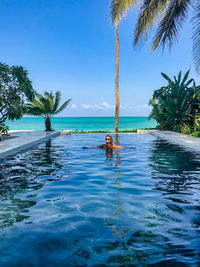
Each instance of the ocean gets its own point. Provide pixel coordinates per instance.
(82, 123)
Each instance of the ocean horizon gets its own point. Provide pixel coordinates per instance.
(82, 123)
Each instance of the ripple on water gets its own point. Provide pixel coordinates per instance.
(68, 205)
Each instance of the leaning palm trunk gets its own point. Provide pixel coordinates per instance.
(48, 124)
(117, 78)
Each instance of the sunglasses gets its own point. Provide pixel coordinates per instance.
(107, 138)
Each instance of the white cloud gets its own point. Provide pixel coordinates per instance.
(85, 106)
(103, 105)
(106, 105)
(73, 106)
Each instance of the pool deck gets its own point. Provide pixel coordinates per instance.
(23, 140)
(189, 142)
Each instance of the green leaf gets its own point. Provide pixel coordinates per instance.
(179, 77)
(62, 107)
(166, 77)
(185, 77)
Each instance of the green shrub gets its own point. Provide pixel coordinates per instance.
(176, 105)
(196, 134)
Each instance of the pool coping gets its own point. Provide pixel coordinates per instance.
(25, 139)
(188, 142)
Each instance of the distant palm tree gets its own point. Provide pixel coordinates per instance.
(170, 13)
(46, 106)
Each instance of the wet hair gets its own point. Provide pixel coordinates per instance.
(111, 139)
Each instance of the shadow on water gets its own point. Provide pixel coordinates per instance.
(18, 175)
(174, 168)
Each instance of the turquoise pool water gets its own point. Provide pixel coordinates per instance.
(61, 205)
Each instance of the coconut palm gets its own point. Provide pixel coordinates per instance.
(117, 10)
(170, 14)
(117, 105)
(46, 106)
(116, 78)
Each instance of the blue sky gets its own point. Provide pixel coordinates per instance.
(69, 46)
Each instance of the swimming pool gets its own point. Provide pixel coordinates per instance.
(61, 205)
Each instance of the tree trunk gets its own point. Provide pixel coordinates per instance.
(48, 123)
(116, 79)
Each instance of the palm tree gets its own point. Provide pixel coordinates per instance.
(171, 14)
(116, 78)
(46, 106)
(116, 6)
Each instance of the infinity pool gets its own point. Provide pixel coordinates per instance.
(61, 205)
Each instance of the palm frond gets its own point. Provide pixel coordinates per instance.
(37, 104)
(119, 8)
(57, 101)
(45, 102)
(49, 101)
(62, 107)
(149, 12)
(31, 110)
(39, 96)
(196, 36)
(45, 105)
(170, 25)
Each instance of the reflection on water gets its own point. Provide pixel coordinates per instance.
(177, 174)
(176, 170)
(109, 154)
(171, 159)
(18, 177)
(100, 208)
(118, 211)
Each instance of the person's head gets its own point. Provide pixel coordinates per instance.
(109, 139)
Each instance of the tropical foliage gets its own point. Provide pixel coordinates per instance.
(169, 15)
(47, 106)
(4, 128)
(15, 87)
(176, 106)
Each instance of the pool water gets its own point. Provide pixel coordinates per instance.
(61, 205)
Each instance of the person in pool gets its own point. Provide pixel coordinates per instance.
(108, 145)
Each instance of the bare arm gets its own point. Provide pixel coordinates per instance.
(92, 146)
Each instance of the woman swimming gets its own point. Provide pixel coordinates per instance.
(108, 144)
